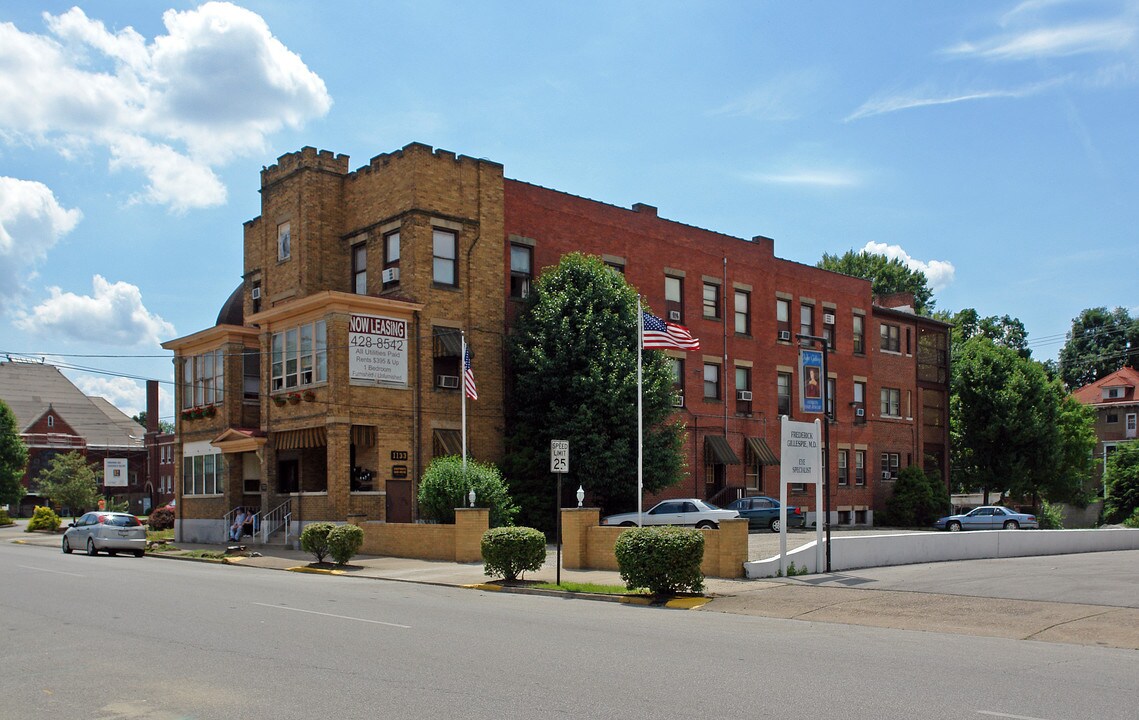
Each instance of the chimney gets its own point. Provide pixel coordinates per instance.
(151, 406)
(646, 209)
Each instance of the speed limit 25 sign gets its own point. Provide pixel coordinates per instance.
(559, 456)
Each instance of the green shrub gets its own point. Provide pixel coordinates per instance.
(508, 551)
(444, 487)
(161, 519)
(666, 560)
(4, 519)
(1050, 517)
(314, 539)
(1133, 521)
(344, 541)
(44, 518)
(918, 500)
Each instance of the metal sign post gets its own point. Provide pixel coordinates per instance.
(559, 465)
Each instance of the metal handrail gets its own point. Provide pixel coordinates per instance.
(274, 519)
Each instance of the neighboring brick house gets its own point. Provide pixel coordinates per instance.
(331, 377)
(55, 417)
(1117, 409)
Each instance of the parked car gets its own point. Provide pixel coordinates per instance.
(989, 517)
(686, 511)
(762, 512)
(111, 532)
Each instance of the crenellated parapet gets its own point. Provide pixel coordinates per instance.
(307, 158)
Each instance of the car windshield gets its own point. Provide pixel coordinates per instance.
(121, 520)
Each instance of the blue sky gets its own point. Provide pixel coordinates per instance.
(993, 145)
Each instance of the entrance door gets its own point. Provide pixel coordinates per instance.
(398, 504)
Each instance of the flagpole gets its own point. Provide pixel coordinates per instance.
(463, 380)
(640, 414)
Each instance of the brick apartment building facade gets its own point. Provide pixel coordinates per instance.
(332, 375)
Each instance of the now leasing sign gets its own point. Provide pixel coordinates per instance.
(800, 463)
(378, 349)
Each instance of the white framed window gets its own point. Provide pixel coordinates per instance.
(444, 245)
(842, 469)
(891, 402)
(806, 319)
(743, 312)
(674, 298)
(300, 356)
(857, 334)
(284, 242)
(711, 300)
(521, 270)
(711, 381)
(390, 276)
(890, 337)
(203, 469)
(360, 269)
(859, 467)
(203, 379)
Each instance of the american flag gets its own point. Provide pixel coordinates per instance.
(659, 335)
(469, 375)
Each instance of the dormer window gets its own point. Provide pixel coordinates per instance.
(1112, 393)
(51, 421)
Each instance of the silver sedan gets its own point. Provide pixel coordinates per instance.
(111, 532)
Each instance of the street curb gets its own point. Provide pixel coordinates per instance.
(674, 604)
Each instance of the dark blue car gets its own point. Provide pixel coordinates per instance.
(763, 512)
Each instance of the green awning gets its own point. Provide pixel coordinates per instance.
(762, 452)
(717, 451)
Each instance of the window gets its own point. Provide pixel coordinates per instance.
(1112, 418)
(203, 379)
(284, 242)
(828, 327)
(444, 243)
(933, 356)
(674, 298)
(521, 259)
(617, 266)
(251, 374)
(711, 381)
(743, 390)
(51, 421)
(891, 402)
(859, 467)
(783, 392)
(831, 390)
(711, 300)
(300, 356)
(807, 319)
(858, 333)
(842, 472)
(446, 350)
(391, 260)
(890, 465)
(890, 337)
(256, 295)
(677, 381)
(360, 269)
(202, 469)
(743, 312)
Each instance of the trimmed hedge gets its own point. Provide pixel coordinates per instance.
(314, 539)
(665, 559)
(508, 551)
(344, 541)
(44, 518)
(161, 519)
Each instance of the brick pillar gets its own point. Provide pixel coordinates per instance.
(732, 548)
(575, 530)
(470, 524)
(338, 468)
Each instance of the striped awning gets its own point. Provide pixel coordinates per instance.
(302, 438)
(762, 451)
(363, 435)
(717, 451)
(448, 442)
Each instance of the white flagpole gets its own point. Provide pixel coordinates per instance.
(640, 419)
(463, 394)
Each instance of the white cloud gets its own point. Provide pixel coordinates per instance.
(211, 88)
(31, 222)
(1109, 36)
(124, 393)
(921, 98)
(112, 314)
(939, 273)
(816, 178)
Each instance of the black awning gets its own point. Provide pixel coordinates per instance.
(717, 451)
(762, 452)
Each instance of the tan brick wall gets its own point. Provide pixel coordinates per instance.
(587, 546)
(461, 542)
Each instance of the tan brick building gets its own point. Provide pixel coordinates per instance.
(333, 374)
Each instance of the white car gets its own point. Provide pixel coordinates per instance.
(686, 511)
(111, 532)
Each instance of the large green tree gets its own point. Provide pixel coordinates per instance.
(1014, 429)
(13, 457)
(573, 357)
(1004, 330)
(69, 481)
(886, 275)
(1100, 342)
(1122, 479)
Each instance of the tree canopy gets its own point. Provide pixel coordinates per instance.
(1005, 331)
(574, 363)
(1122, 479)
(1099, 343)
(886, 275)
(1013, 429)
(164, 426)
(69, 481)
(13, 457)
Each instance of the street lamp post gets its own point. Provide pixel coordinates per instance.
(822, 341)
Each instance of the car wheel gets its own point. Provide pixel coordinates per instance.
(706, 525)
(1012, 525)
(774, 525)
(91, 547)
(138, 553)
(66, 547)
(628, 523)
(953, 526)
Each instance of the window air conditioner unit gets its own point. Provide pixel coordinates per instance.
(785, 335)
(390, 275)
(674, 316)
(828, 318)
(447, 381)
(255, 293)
(743, 395)
(886, 475)
(678, 401)
(860, 412)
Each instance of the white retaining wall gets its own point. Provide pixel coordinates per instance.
(851, 553)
